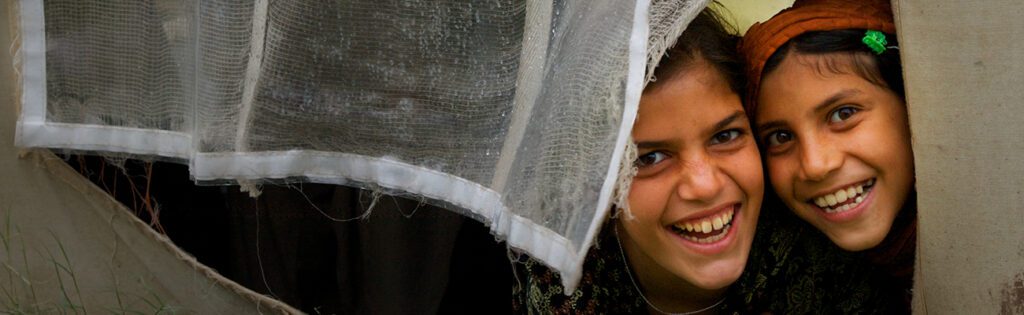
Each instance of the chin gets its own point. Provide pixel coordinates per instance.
(717, 283)
(719, 275)
(860, 240)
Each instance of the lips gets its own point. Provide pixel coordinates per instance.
(845, 198)
(708, 229)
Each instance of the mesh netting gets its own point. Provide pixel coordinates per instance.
(514, 112)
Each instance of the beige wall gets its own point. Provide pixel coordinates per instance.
(746, 12)
(964, 68)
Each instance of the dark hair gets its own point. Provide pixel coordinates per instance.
(884, 70)
(707, 37)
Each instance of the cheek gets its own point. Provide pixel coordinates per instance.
(781, 174)
(903, 140)
(893, 153)
(888, 143)
(889, 153)
(746, 170)
(647, 196)
(895, 122)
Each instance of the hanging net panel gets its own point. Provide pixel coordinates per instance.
(515, 113)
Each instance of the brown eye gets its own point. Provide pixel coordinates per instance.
(725, 136)
(650, 159)
(842, 114)
(778, 138)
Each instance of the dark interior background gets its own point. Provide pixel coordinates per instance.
(405, 257)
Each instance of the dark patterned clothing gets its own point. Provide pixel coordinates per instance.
(605, 288)
(792, 269)
(895, 255)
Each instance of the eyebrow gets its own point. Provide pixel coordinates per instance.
(651, 144)
(728, 120)
(817, 108)
(770, 125)
(835, 98)
(718, 126)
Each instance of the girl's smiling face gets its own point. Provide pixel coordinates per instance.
(697, 193)
(837, 147)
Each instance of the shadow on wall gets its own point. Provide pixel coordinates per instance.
(1012, 301)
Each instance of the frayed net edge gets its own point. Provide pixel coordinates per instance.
(627, 170)
(659, 41)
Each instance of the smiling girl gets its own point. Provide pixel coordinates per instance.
(694, 202)
(698, 188)
(828, 106)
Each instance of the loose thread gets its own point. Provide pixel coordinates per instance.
(324, 213)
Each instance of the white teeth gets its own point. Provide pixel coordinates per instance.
(831, 199)
(707, 225)
(711, 239)
(706, 240)
(852, 196)
(820, 201)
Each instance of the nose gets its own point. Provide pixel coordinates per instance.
(819, 158)
(701, 180)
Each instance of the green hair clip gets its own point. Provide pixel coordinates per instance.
(875, 40)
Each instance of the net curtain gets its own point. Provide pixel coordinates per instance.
(515, 113)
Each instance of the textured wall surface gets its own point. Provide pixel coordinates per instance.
(963, 64)
(68, 247)
(746, 12)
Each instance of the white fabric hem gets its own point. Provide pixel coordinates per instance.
(521, 233)
(33, 66)
(145, 142)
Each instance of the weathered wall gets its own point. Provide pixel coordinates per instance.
(66, 246)
(964, 66)
(746, 12)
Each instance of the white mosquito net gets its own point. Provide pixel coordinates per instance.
(516, 113)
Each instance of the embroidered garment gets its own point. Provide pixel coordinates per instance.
(604, 288)
(792, 269)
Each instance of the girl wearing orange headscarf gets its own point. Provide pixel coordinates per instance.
(827, 103)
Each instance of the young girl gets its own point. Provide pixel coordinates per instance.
(693, 204)
(826, 95)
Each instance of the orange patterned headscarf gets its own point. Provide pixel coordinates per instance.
(762, 39)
